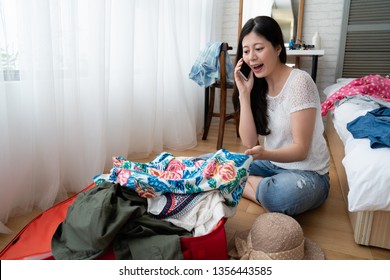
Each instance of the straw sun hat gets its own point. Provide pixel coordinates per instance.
(275, 236)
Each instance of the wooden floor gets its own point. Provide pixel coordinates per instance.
(328, 225)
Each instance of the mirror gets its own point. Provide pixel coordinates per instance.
(288, 13)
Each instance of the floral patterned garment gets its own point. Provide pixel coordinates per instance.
(221, 170)
(372, 85)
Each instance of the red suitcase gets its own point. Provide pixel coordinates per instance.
(34, 240)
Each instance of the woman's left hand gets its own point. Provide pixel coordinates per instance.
(257, 152)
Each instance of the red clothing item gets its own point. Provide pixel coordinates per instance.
(372, 85)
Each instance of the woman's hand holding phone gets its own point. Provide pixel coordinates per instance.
(245, 71)
(244, 78)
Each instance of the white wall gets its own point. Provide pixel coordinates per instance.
(323, 16)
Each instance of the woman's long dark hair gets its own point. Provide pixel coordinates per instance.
(270, 30)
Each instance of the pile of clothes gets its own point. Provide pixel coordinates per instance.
(143, 209)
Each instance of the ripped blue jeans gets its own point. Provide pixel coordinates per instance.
(289, 191)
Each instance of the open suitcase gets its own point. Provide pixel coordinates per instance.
(34, 240)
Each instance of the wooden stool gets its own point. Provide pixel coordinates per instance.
(223, 85)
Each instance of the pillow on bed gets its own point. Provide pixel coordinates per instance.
(328, 91)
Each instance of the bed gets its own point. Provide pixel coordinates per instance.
(363, 172)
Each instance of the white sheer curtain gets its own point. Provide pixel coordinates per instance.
(98, 78)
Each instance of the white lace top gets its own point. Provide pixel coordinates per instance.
(298, 93)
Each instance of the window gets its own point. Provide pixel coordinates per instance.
(8, 41)
(364, 46)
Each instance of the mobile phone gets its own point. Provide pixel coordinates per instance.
(245, 70)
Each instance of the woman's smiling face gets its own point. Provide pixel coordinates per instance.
(260, 54)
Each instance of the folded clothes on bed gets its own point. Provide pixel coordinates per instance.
(375, 125)
(371, 85)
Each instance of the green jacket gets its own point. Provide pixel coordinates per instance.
(111, 215)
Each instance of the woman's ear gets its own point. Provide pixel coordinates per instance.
(279, 49)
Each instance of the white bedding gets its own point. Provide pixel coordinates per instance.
(367, 169)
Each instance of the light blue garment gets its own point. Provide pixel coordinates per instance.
(206, 69)
(289, 191)
(375, 125)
